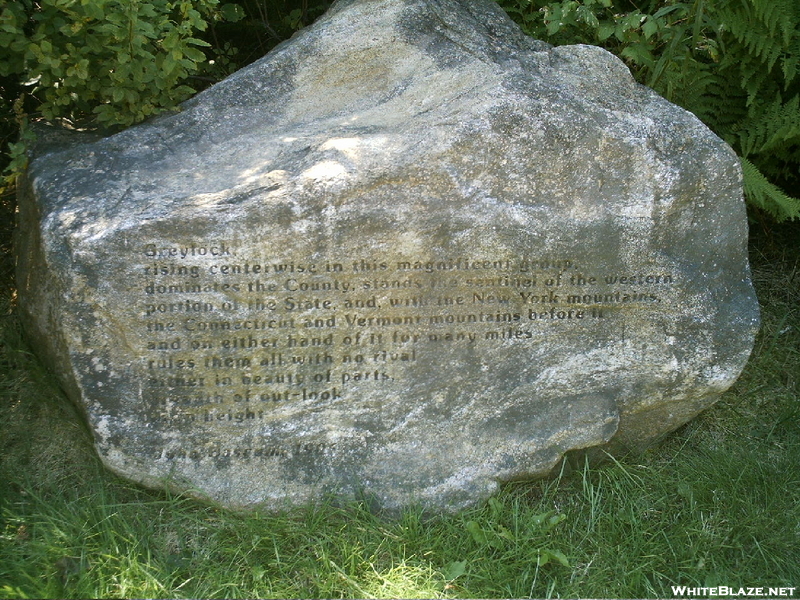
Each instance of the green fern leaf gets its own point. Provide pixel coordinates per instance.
(791, 61)
(774, 15)
(760, 192)
(770, 128)
(766, 28)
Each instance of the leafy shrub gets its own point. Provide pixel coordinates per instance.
(734, 63)
(117, 61)
(106, 64)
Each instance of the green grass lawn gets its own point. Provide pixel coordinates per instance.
(718, 503)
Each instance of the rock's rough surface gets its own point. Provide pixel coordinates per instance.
(411, 254)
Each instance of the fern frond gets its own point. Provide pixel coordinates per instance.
(770, 127)
(767, 29)
(724, 103)
(792, 61)
(760, 192)
(775, 15)
(691, 84)
(743, 25)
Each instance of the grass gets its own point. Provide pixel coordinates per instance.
(718, 503)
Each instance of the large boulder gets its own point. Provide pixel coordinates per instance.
(410, 254)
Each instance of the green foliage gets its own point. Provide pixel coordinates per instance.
(17, 155)
(767, 196)
(117, 61)
(734, 63)
(106, 64)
